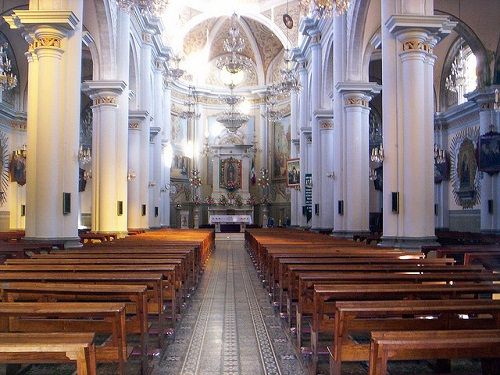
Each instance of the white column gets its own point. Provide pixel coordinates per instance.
(316, 142)
(339, 189)
(146, 102)
(408, 123)
(295, 209)
(136, 123)
(104, 153)
(155, 200)
(487, 185)
(304, 135)
(166, 164)
(327, 175)
(123, 67)
(52, 166)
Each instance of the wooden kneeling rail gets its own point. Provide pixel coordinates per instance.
(50, 348)
(409, 345)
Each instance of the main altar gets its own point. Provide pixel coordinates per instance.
(231, 178)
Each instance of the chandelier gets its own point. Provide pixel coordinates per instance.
(272, 113)
(234, 62)
(175, 72)
(190, 111)
(84, 155)
(377, 154)
(232, 119)
(439, 155)
(288, 82)
(155, 7)
(7, 79)
(326, 8)
(457, 79)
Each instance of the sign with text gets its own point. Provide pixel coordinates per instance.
(308, 196)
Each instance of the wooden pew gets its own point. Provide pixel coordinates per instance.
(325, 297)
(360, 317)
(136, 294)
(50, 348)
(404, 345)
(103, 317)
(489, 260)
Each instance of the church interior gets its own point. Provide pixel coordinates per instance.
(249, 187)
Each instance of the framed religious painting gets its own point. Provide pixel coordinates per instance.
(230, 174)
(489, 152)
(281, 148)
(293, 172)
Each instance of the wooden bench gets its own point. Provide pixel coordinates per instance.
(359, 318)
(403, 345)
(135, 294)
(50, 348)
(489, 260)
(102, 317)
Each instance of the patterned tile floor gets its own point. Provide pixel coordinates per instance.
(230, 327)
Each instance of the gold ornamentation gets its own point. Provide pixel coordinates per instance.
(414, 45)
(45, 42)
(133, 125)
(21, 125)
(428, 48)
(356, 101)
(326, 124)
(105, 100)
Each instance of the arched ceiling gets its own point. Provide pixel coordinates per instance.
(196, 22)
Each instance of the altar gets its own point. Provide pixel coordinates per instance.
(220, 220)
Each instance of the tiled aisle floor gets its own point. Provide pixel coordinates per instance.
(230, 327)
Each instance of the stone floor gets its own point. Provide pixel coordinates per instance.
(230, 326)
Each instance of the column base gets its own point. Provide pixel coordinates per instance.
(408, 243)
(66, 242)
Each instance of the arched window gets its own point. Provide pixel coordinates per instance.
(462, 77)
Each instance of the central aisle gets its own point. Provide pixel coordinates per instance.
(230, 326)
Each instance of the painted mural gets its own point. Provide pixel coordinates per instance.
(281, 149)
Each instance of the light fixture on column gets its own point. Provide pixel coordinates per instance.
(326, 8)
(195, 180)
(87, 175)
(372, 174)
(21, 151)
(439, 155)
(496, 105)
(131, 175)
(155, 7)
(84, 155)
(7, 79)
(377, 154)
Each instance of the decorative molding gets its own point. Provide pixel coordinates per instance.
(326, 124)
(134, 125)
(147, 37)
(19, 125)
(105, 100)
(45, 42)
(414, 45)
(356, 101)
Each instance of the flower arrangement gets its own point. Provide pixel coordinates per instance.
(231, 185)
(209, 200)
(223, 201)
(251, 201)
(238, 200)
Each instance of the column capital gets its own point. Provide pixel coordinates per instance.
(104, 93)
(147, 37)
(358, 93)
(136, 118)
(159, 64)
(399, 25)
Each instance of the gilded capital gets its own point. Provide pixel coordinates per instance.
(356, 101)
(45, 42)
(326, 124)
(414, 45)
(105, 101)
(133, 125)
